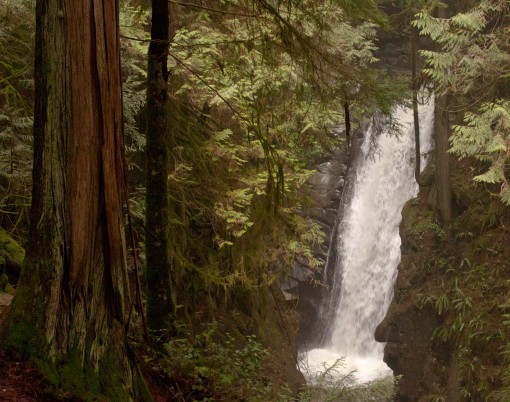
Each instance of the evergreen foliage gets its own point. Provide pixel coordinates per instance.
(133, 21)
(472, 64)
(17, 29)
(214, 366)
(255, 101)
(486, 136)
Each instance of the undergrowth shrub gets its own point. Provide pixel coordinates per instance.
(214, 366)
(211, 366)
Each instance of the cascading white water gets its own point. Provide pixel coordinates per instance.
(369, 249)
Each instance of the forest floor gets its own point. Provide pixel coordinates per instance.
(21, 381)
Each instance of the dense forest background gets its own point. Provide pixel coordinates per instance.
(173, 142)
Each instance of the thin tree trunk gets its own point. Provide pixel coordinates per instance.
(443, 179)
(72, 302)
(160, 305)
(414, 87)
(347, 119)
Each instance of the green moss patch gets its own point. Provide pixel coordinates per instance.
(10, 250)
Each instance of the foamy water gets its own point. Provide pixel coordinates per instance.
(362, 369)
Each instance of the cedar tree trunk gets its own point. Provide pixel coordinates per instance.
(72, 304)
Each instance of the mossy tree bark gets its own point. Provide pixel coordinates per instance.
(158, 242)
(72, 304)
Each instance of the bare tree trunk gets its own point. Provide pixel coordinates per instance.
(443, 180)
(415, 88)
(158, 243)
(347, 119)
(442, 131)
(72, 304)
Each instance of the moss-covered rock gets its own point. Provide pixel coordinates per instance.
(11, 256)
(3, 282)
(10, 249)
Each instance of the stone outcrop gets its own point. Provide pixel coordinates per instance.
(408, 327)
(305, 285)
(444, 328)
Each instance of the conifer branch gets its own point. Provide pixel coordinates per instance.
(213, 10)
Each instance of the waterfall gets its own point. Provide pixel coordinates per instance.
(369, 248)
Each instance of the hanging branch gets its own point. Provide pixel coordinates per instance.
(269, 151)
(213, 10)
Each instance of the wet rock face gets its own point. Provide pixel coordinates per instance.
(426, 368)
(408, 326)
(473, 265)
(325, 189)
(407, 329)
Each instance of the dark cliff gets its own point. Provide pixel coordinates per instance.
(445, 329)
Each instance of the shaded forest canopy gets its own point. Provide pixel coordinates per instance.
(173, 142)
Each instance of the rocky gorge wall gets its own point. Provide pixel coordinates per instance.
(307, 286)
(445, 329)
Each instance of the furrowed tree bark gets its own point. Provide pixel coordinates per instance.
(160, 304)
(72, 302)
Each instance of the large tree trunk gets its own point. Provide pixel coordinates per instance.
(72, 304)
(158, 213)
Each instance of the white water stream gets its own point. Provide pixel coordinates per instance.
(369, 250)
